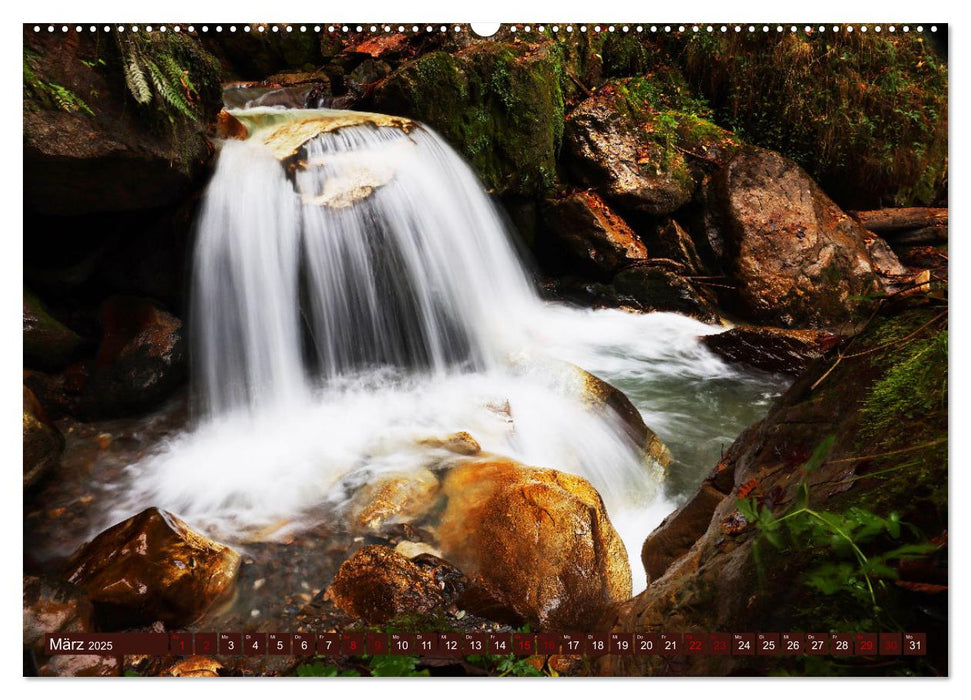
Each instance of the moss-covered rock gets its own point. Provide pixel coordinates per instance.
(864, 113)
(48, 343)
(500, 105)
(879, 408)
(43, 442)
(115, 124)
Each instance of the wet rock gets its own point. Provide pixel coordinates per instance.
(59, 393)
(377, 584)
(48, 343)
(460, 443)
(592, 232)
(153, 567)
(229, 127)
(608, 149)
(393, 497)
(797, 259)
(43, 442)
(720, 581)
(499, 104)
(52, 606)
(771, 349)
(141, 360)
(541, 540)
(674, 243)
(657, 288)
(103, 152)
(679, 531)
(194, 667)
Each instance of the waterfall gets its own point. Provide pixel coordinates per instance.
(355, 292)
(380, 250)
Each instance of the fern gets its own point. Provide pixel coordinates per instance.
(135, 79)
(166, 91)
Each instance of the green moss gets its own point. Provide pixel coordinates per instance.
(49, 94)
(866, 114)
(500, 105)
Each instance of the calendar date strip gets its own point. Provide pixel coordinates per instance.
(443, 644)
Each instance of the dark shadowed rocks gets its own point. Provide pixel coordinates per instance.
(43, 442)
(771, 349)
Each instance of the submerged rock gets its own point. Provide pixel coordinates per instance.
(609, 149)
(540, 539)
(153, 567)
(797, 259)
(393, 498)
(592, 232)
(141, 360)
(378, 584)
(52, 607)
(48, 343)
(771, 349)
(43, 442)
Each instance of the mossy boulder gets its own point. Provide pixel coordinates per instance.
(98, 141)
(864, 113)
(881, 411)
(43, 442)
(499, 104)
(48, 343)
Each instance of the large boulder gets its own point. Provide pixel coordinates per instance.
(152, 567)
(798, 261)
(539, 539)
(499, 104)
(609, 148)
(378, 584)
(48, 343)
(141, 360)
(89, 145)
(43, 442)
(56, 607)
(390, 498)
(591, 232)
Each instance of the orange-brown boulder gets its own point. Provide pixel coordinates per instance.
(153, 567)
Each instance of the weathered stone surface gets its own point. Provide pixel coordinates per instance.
(141, 360)
(43, 442)
(499, 104)
(460, 443)
(393, 498)
(51, 607)
(539, 538)
(674, 243)
(48, 343)
(593, 233)
(194, 667)
(888, 455)
(771, 349)
(598, 392)
(153, 567)
(608, 149)
(109, 155)
(679, 531)
(377, 584)
(657, 288)
(797, 259)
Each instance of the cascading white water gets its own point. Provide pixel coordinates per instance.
(371, 298)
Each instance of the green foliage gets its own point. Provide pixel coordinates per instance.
(397, 666)
(50, 93)
(169, 71)
(318, 669)
(505, 665)
(854, 538)
(913, 388)
(866, 114)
